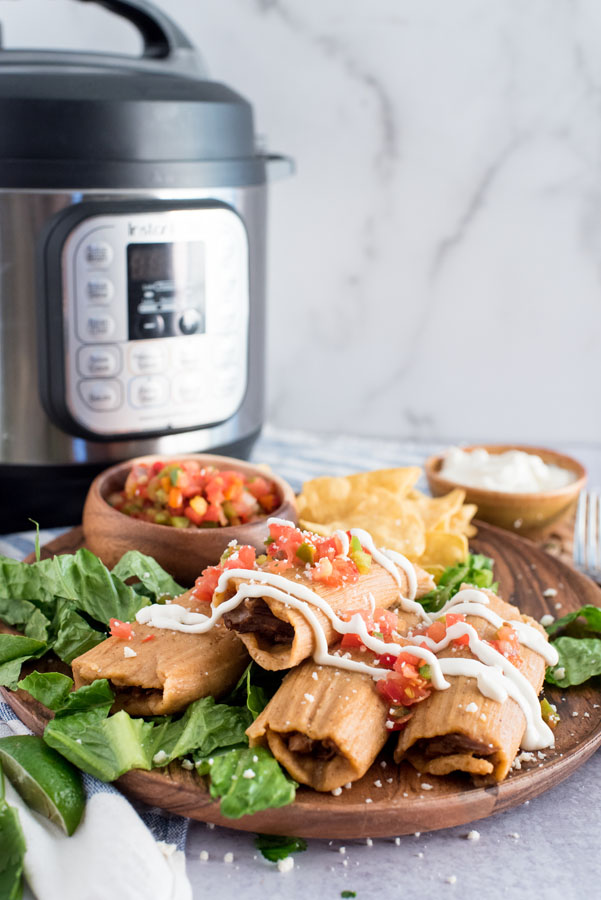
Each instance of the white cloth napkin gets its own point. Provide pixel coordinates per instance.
(113, 853)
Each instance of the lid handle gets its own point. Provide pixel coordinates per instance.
(162, 37)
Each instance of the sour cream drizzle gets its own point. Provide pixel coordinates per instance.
(496, 676)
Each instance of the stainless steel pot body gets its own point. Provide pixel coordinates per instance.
(28, 436)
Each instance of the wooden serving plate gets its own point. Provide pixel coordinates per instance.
(400, 806)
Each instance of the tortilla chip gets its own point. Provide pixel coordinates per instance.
(431, 531)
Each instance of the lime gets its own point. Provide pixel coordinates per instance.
(46, 781)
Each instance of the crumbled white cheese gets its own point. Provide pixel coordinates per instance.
(342, 850)
(417, 834)
(547, 619)
(309, 697)
(397, 841)
(377, 783)
(559, 673)
(348, 785)
(473, 835)
(524, 756)
(575, 713)
(286, 864)
(204, 855)
(160, 758)
(426, 787)
(128, 653)
(514, 835)
(369, 842)
(550, 592)
(483, 716)
(337, 791)
(453, 878)
(314, 676)
(166, 849)
(187, 764)
(228, 857)
(471, 707)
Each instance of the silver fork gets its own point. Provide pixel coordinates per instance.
(587, 535)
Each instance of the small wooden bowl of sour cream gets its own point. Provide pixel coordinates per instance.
(520, 488)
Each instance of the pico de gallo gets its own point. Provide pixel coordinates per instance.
(185, 494)
(321, 559)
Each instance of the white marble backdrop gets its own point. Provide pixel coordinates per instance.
(435, 265)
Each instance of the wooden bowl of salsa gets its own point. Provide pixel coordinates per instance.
(182, 511)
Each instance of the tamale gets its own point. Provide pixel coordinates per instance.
(459, 729)
(280, 637)
(325, 725)
(158, 671)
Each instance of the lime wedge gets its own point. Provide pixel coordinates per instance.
(46, 781)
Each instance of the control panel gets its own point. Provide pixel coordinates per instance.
(155, 320)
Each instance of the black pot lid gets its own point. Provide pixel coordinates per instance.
(97, 120)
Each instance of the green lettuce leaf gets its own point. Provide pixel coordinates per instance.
(580, 658)
(14, 651)
(84, 579)
(476, 570)
(267, 788)
(20, 612)
(275, 846)
(204, 727)
(590, 614)
(21, 581)
(49, 688)
(97, 697)
(255, 688)
(105, 747)
(154, 582)
(74, 635)
(12, 849)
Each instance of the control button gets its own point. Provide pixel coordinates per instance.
(102, 396)
(151, 391)
(97, 325)
(150, 326)
(190, 354)
(98, 254)
(190, 321)
(146, 359)
(101, 362)
(188, 389)
(99, 290)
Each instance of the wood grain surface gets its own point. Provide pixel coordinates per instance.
(401, 805)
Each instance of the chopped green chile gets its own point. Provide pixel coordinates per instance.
(549, 713)
(306, 553)
(425, 672)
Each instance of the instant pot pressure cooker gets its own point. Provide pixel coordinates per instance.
(132, 265)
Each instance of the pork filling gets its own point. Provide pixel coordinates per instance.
(254, 616)
(450, 744)
(306, 746)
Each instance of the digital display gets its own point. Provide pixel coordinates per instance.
(150, 262)
(166, 289)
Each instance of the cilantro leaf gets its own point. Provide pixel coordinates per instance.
(275, 846)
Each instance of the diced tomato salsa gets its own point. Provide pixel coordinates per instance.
(320, 559)
(184, 494)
